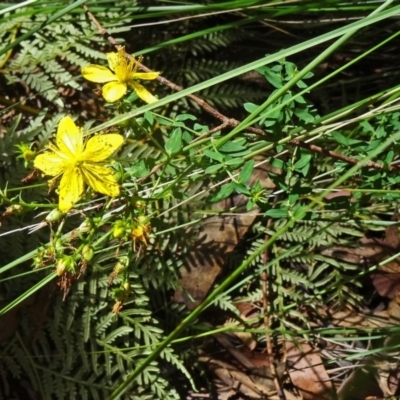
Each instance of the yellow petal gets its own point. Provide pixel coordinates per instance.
(71, 188)
(98, 73)
(113, 91)
(100, 179)
(144, 75)
(50, 163)
(115, 58)
(100, 147)
(69, 138)
(143, 93)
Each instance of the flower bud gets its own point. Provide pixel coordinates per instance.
(87, 253)
(119, 229)
(25, 152)
(127, 286)
(84, 226)
(54, 215)
(29, 155)
(65, 264)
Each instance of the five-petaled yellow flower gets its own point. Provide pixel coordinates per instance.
(125, 73)
(79, 163)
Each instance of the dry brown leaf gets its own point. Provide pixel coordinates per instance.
(388, 378)
(394, 309)
(360, 384)
(237, 353)
(241, 381)
(308, 373)
(349, 318)
(386, 279)
(218, 237)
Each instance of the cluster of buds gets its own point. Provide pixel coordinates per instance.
(137, 230)
(122, 293)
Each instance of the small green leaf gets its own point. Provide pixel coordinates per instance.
(163, 121)
(214, 155)
(241, 189)
(178, 124)
(341, 139)
(212, 169)
(304, 115)
(299, 213)
(132, 97)
(300, 100)
(277, 213)
(171, 169)
(304, 160)
(290, 68)
(271, 76)
(184, 117)
(300, 84)
(223, 193)
(271, 117)
(367, 126)
(308, 75)
(139, 169)
(250, 107)
(174, 143)
(389, 157)
(250, 205)
(246, 172)
(149, 117)
(277, 162)
(201, 128)
(233, 146)
(187, 137)
(234, 162)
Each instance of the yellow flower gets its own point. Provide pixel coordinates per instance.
(123, 75)
(79, 163)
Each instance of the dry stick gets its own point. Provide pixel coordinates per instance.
(231, 121)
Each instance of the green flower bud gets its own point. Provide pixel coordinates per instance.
(29, 155)
(87, 253)
(119, 229)
(54, 215)
(25, 152)
(118, 267)
(85, 226)
(118, 176)
(65, 264)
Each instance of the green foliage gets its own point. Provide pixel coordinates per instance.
(107, 327)
(80, 349)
